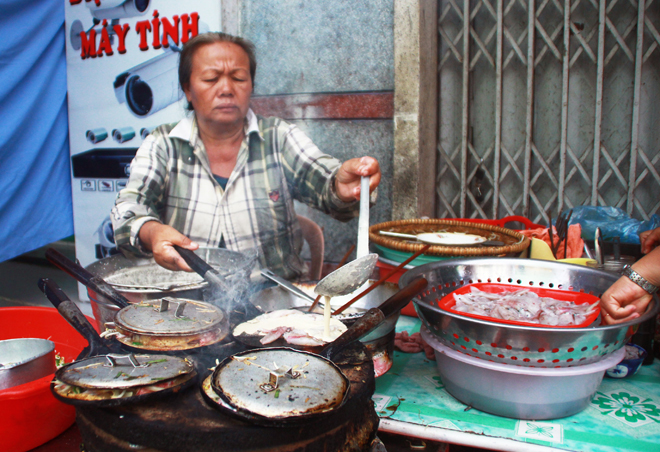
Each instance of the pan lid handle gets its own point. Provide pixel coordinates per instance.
(275, 375)
(164, 305)
(132, 359)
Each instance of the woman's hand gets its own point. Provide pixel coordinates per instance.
(649, 240)
(347, 181)
(159, 238)
(623, 301)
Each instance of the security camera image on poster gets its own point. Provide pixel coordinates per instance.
(122, 60)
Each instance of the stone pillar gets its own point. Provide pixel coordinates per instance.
(415, 108)
(231, 17)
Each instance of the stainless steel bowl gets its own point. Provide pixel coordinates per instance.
(518, 392)
(512, 344)
(24, 360)
(140, 279)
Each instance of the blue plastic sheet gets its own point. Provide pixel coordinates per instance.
(35, 207)
(613, 222)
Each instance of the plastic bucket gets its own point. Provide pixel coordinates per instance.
(29, 414)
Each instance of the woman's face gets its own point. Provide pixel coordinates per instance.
(220, 84)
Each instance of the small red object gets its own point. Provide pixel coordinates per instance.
(408, 309)
(448, 302)
(503, 222)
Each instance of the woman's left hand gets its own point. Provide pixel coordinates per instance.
(347, 181)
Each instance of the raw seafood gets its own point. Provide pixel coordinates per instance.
(523, 306)
(295, 327)
(382, 363)
(413, 343)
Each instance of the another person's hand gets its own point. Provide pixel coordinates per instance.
(159, 238)
(649, 240)
(347, 181)
(623, 301)
(626, 300)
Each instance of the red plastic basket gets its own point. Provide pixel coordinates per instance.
(448, 302)
(505, 222)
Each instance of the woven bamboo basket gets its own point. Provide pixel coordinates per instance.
(514, 242)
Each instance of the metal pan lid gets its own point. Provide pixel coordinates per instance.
(116, 371)
(280, 383)
(170, 316)
(15, 352)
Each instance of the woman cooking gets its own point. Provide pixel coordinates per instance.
(226, 177)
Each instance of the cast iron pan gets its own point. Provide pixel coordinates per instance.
(240, 387)
(97, 346)
(180, 342)
(156, 325)
(219, 400)
(238, 381)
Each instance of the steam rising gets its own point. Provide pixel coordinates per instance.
(229, 288)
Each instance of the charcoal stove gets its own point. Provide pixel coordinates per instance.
(186, 422)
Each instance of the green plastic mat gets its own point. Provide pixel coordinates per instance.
(624, 414)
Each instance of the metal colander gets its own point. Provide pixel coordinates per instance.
(513, 344)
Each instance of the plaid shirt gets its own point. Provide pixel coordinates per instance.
(171, 182)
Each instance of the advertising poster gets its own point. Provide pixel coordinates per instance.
(122, 59)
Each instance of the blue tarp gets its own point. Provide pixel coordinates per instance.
(35, 182)
(612, 221)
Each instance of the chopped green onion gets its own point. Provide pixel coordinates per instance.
(156, 361)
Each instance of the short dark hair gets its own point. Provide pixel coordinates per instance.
(190, 47)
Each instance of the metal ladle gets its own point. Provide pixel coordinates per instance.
(348, 278)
